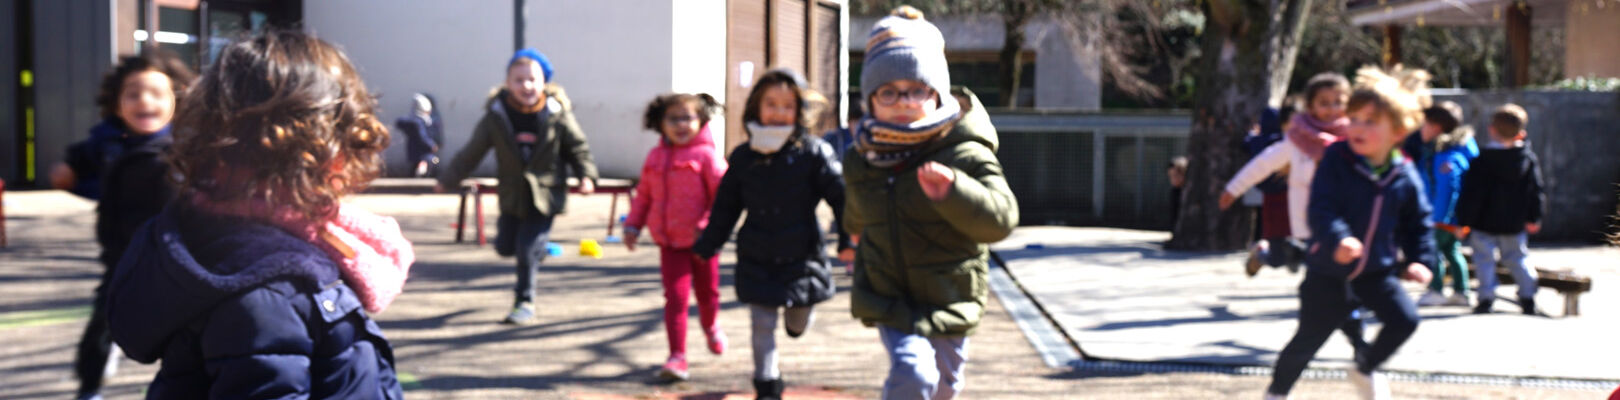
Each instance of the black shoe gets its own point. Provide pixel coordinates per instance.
(1484, 306)
(1528, 306)
(768, 389)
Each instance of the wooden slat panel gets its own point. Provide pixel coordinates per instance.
(745, 42)
(788, 34)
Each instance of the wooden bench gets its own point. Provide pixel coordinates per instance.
(477, 187)
(1567, 283)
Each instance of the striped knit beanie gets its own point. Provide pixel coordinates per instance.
(904, 46)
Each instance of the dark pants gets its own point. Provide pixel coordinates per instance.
(525, 238)
(1324, 304)
(95, 347)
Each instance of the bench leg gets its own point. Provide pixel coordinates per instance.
(478, 203)
(461, 216)
(1572, 304)
(613, 213)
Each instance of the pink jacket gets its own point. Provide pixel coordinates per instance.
(676, 190)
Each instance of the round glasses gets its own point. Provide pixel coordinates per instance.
(889, 96)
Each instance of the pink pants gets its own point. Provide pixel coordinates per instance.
(680, 268)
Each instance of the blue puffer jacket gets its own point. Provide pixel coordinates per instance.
(1387, 212)
(1443, 169)
(239, 310)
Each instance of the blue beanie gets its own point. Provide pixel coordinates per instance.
(532, 54)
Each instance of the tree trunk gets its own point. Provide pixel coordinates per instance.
(1244, 57)
(1015, 17)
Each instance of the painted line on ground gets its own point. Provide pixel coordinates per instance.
(24, 319)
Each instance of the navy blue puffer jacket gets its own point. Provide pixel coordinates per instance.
(1388, 212)
(240, 310)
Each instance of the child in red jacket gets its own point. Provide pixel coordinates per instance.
(672, 202)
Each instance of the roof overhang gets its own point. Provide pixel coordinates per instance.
(1451, 12)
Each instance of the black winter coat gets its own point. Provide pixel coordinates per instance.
(1502, 191)
(135, 188)
(781, 259)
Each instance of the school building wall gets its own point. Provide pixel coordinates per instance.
(72, 47)
(612, 56)
(1590, 47)
(1066, 74)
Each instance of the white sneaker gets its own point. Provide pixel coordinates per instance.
(1459, 300)
(1431, 299)
(1274, 396)
(1373, 387)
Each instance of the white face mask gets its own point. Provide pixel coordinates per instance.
(767, 139)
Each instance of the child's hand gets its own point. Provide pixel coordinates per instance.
(935, 179)
(699, 259)
(587, 186)
(846, 256)
(630, 236)
(1349, 250)
(1417, 273)
(1532, 227)
(1226, 200)
(439, 188)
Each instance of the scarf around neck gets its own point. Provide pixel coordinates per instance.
(1312, 135)
(768, 139)
(886, 144)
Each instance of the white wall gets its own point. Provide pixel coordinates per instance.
(613, 56)
(455, 51)
(1064, 77)
(698, 59)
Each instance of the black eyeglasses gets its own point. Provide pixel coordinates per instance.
(889, 96)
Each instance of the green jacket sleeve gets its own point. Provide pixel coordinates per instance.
(574, 148)
(979, 203)
(469, 156)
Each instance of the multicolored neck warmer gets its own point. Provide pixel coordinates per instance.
(886, 145)
(768, 139)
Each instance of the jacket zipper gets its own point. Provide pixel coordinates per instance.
(1372, 224)
(894, 226)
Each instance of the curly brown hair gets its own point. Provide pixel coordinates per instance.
(703, 103)
(282, 117)
(161, 61)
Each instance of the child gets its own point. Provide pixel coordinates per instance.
(530, 126)
(926, 193)
(258, 281)
(1309, 133)
(137, 101)
(672, 201)
(1366, 200)
(1176, 173)
(422, 132)
(779, 176)
(1273, 217)
(1442, 157)
(1502, 201)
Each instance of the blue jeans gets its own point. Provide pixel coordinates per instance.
(525, 238)
(1514, 247)
(923, 368)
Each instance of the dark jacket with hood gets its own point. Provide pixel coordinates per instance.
(1502, 192)
(781, 255)
(420, 136)
(240, 310)
(134, 189)
(538, 183)
(1387, 211)
(922, 266)
(90, 159)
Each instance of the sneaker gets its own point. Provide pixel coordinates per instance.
(1274, 396)
(1431, 299)
(522, 313)
(1484, 306)
(1458, 300)
(674, 369)
(1370, 386)
(1528, 306)
(1252, 265)
(717, 341)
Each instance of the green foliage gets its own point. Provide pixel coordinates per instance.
(1587, 84)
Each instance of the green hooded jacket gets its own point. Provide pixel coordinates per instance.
(540, 180)
(922, 266)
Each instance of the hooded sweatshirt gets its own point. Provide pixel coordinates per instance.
(677, 188)
(238, 309)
